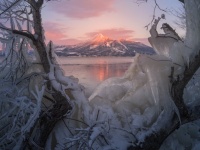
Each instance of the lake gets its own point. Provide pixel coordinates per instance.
(91, 71)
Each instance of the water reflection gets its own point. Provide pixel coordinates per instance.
(91, 75)
(104, 71)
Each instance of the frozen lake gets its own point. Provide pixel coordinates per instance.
(93, 70)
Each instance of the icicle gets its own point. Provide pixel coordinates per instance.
(28, 25)
(18, 25)
(38, 96)
(12, 23)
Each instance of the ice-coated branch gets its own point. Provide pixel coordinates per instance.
(25, 34)
(179, 85)
(16, 41)
(38, 94)
(85, 138)
(11, 6)
(20, 13)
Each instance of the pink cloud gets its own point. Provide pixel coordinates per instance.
(69, 41)
(82, 8)
(53, 31)
(114, 33)
(56, 33)
(119, 33)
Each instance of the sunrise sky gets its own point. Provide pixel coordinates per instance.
(74, 21)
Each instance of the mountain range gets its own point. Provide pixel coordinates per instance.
(101, 45)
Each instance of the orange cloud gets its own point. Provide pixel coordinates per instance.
(115, 33)
(82, 8)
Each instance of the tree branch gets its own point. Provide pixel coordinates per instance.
(27, 35)
(155, 140)
(10, 7)
(40, 3)
(179, 85)
(156, 3)
(182, 1)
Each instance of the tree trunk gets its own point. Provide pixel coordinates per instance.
(39, 32)
(46, 121)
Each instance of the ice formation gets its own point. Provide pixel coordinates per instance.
(127, 108)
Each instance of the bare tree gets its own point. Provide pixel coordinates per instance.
(25, 30)
(181, 21)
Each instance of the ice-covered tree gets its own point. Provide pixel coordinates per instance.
(35, 95)
(24, 78)
(181, 83)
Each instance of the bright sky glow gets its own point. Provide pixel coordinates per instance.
(74, 21)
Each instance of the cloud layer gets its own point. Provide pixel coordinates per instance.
(114, 33)
(82, 8)
(56, 33)
(53, 31)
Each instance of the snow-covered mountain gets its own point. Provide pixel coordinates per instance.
(101, 45)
